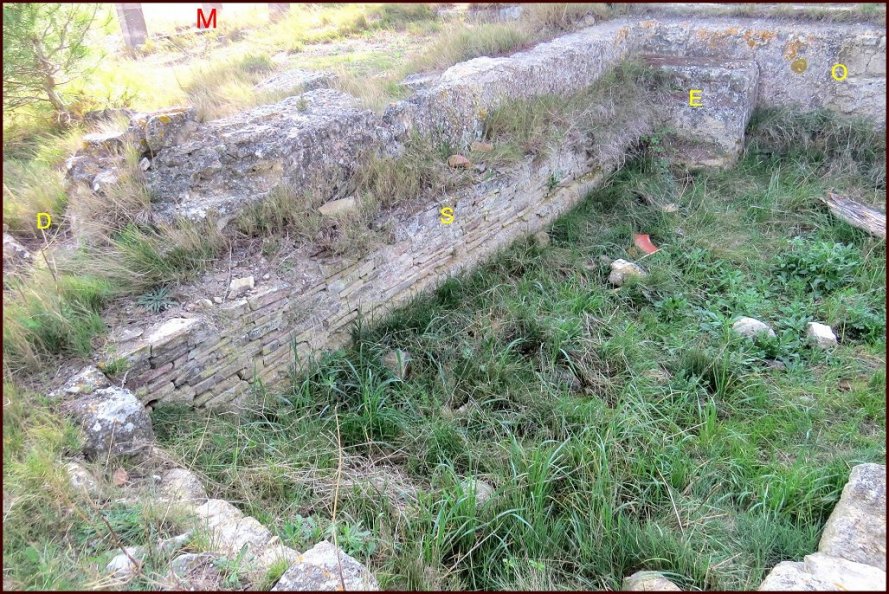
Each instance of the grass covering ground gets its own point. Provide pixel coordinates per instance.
(622, 429)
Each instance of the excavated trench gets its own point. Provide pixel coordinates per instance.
(208, 357)
(314, 143)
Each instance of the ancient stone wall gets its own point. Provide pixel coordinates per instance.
(209, 359)
(795, 60)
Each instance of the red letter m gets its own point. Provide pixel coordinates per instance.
(203, 23)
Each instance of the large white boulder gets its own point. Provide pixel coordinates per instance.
(621, 270)
(856, 530)
(823, 572)
(320, 568)
(113, 421)
(820, 335)
(751, 327)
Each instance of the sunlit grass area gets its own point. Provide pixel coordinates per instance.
(617, 429)
(620, 429)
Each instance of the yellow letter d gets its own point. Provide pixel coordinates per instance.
(43, 220)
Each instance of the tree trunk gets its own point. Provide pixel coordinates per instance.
(48, 69)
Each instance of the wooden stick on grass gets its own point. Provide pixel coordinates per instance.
(856, 214)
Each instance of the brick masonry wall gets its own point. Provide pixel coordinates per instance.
(210, 359)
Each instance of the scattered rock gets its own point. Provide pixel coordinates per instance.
(230, 530)
(319, 569)
(113, 421)
(273, 553)
(541, 238)
(459, 162)
(649, 581)
(398, 362)
(86, 381)
(217, 300)
(170, 545)
(844, 385)
(83, 481)
(751, 327)
(187, 563)
(483, 490)
(266, 276)
(144, 164)
(165, 128)
(179, 484)
(103, 143)
(296, 81)
(336, 208)
(820, 335)
(125, 334)
(480, 168)
(604, 260)
(120, 477)
(239, 286)
(621, 270)
(195, 572)
(775, 364)
(122, 566)
(658, 375)
(856, 530)
(202, 304)
(823, 572)
(481, 147)
(14, 253)
(419, 81)
(104, 180)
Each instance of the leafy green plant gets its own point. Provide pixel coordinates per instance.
(302, 532)
(854, 318)
(355, 540)
(818, 266)
(156, 300)
(672, 307)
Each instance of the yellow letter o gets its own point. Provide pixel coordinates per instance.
(833, 72)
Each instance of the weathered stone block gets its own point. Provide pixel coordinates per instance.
(320, 568)
(267, 296)
(170, 333)
(232, 162)
(169, 353)
(714, 131)
(113, 421)
(856, 530)
(820, 572)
